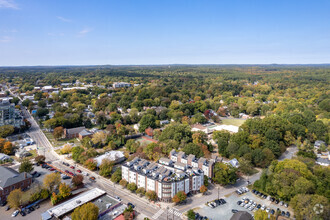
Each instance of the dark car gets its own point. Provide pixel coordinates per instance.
(27, 211)
(7, 208)
(272, 211)
(4, 203)
(276, 201)
(37, 175)
(259, 206)
(31, 209)
(65, 177)
(287, 214)
(33, 173)
(36, 206)
(22, 213)
(223, 201)
(234, 210)
(217, 201)
(239, 202)
(283, 213)
(67, 171)
(264, 196)
(272, 199)
(130, 204)
(256, 192)
(72, 167)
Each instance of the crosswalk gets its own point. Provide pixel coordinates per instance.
(175, 212)
(171, 212)
(157, 214)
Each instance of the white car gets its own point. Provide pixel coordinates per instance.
(263, 207)
(251, 208)
(267, 210)
(251, 202)
(242, 204)
(115, 213)
(247, 206)
(85, 174)
(15, 213)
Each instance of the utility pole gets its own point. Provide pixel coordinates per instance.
(218, 193)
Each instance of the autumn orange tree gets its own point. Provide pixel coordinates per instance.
(179, 197)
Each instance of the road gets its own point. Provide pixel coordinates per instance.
(142, 206)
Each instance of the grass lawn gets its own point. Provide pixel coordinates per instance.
(233, 121)
(58, 143)
(143, 142)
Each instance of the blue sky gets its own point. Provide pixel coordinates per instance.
(86, 32)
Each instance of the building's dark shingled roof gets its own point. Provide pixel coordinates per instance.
(242, 215)
(9, 177)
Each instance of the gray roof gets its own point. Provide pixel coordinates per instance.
(9, 177)
(85, 133)
(242, 215)
(74, 130)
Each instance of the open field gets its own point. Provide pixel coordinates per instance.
(233, 121)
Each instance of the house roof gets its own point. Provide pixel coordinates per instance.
(74, 130)
(242, 215)
(9, 177)
(85, 133)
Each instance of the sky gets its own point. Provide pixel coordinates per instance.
(124, 32)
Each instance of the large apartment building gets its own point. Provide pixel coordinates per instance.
(191, 161)
(166, 178)
(121, 85)
(9, 115)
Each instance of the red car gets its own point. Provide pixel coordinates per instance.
(72, 167)
(79, 171)
(67, 171)
(52, 169)
(71, 173)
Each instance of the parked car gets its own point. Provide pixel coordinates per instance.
(272, 199)
(36, 206)
(253, 191)
(281, 203)
(267, 210)
(79, 171)
(92, 178)
(117, 197)
(85, 174)
(239, 202)
(251, 208)
(22, 213)
(286, 205)
(15, 213)
(33, 173)
(52, 169)
(287, 214)
(259, 206)
(283, 213)
(4, 203)
(276, 201)
(37, 175)
(72, 167)
(263, 207)
(234, 210)
(223, 201)
(130, 204)
(7, 208)
(272, 211)
(65, 177)
(31, 209)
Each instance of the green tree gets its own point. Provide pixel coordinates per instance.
(52, 181)
(6, 130)
(77, 180)
(88, 211)
(141, 191)
(224, 174)
(15, 198)
(132, 187)
(260, 215)
(146, 122)
(179, 197)
(123, 183)
(191, 214)
(106, 167)
(25, 166)
(151, 195)
(76, 152)
(116, 176)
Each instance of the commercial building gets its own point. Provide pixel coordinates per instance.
(165, 179)
(190, 160)
(114, 156)
(68, 206)
(10, 180)
(121, 85)
(9, 115)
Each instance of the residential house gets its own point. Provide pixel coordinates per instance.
(73, 132)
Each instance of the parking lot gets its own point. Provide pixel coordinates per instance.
(224, 211)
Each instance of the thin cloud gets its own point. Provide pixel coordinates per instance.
(84, 31)
(63, 19)
(8, 4)
(5, 39)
